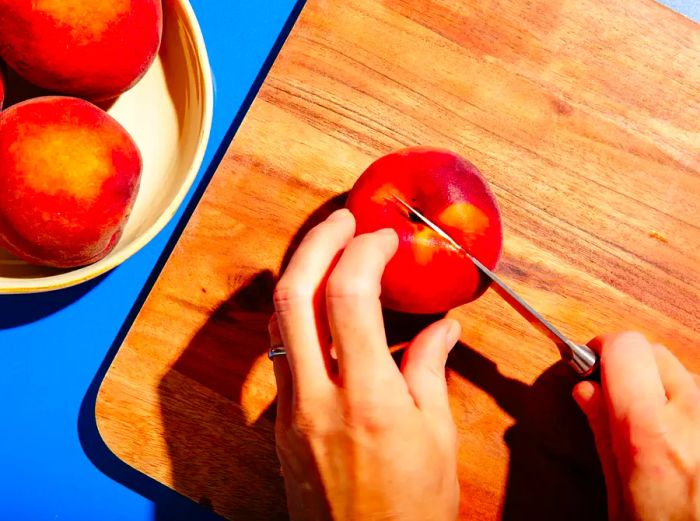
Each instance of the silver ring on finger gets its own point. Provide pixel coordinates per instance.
(276, 351)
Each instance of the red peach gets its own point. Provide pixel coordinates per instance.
(69, 174)
(2, 88)
(94, 49)
(427, 275)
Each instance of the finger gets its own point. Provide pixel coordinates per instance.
(423, 365)
(355, 312)
(283, 379)
(283, 376)
(677, 380)
(299, 300)
(630, 375)
(273, 331)
(590, 398)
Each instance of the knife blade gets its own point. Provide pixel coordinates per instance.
(582, 358)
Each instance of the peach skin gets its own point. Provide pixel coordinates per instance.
(93, 49)
(2, 88)
(69, 174)
(427, 275)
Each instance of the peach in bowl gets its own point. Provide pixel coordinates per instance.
(82, 190)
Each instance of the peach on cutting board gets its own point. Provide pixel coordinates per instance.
(427, 275)
(94, 49)
(69, 174)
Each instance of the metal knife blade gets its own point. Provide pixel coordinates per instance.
(582, 358)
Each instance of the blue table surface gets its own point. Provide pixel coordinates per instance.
(55, 348)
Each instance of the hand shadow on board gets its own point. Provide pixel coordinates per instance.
(224, 460)
(554, 472)
(219, 457)
(228, 463)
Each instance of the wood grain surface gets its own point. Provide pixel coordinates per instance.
(584, 115)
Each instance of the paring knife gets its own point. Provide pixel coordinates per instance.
(582, 358)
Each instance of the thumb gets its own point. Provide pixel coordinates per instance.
(423, 365)
(589, 397)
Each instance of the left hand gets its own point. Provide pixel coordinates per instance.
(358, 438)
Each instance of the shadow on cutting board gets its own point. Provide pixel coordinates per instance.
(553, 469)
(553, 472)
(221, 458)
(226, 460)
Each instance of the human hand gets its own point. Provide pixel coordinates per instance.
(646, 422)
(357, 437)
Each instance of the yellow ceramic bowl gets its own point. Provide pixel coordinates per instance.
(169, 114)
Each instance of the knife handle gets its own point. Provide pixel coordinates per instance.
(584, 360)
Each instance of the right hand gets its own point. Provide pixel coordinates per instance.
(645, 418)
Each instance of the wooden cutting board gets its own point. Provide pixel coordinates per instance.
(585, 117)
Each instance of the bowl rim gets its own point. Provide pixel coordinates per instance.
(86, 273)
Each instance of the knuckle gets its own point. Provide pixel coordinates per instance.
(626, 339)
(370, 422)
(287, 293)
(371, 242)
(364, 240)
(640, 414)
(308, 418)
(646, 432)
(364, 415)
(631, 336)
(642, 417)
(436, 371)
(303, 424)
(349, 286)
(613, 341)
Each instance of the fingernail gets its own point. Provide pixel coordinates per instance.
(338, 215)
(452, 334)
(583, 391)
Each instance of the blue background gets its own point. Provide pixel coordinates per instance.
(55, 348)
